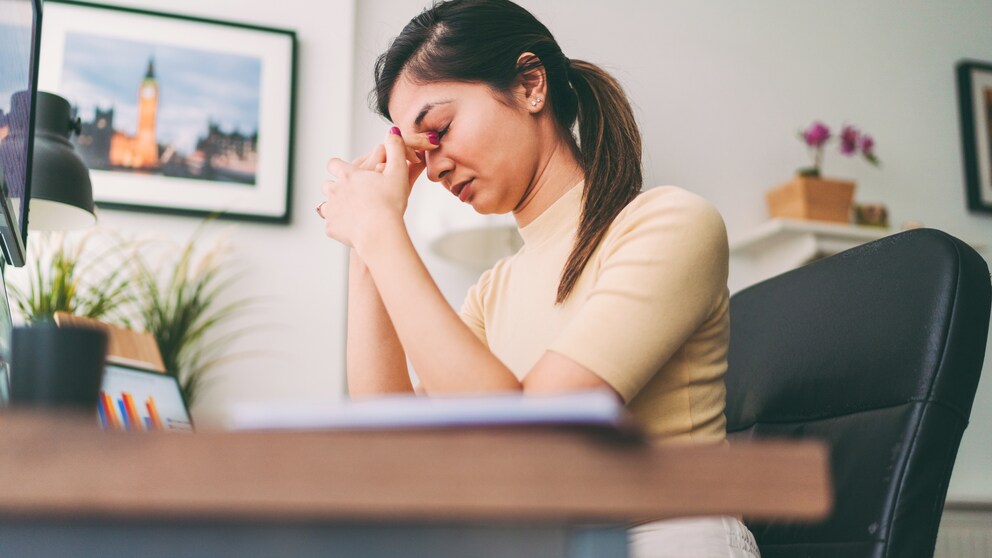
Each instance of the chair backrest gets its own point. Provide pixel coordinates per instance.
(877, 351)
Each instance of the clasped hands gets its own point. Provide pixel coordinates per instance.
(372, 191)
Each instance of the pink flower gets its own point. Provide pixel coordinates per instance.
(849, 139)
(817, 134)
(868, 149)
(867, 144)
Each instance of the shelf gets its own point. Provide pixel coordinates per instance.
(778, 245)
(826, 235)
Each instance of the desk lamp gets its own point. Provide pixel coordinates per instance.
(61, 191)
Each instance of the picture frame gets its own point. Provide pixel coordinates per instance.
(178, 114)
(974, 83)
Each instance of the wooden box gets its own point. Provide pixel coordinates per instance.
(819, 199)
(132, 347)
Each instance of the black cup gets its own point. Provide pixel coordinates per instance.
(57, 367)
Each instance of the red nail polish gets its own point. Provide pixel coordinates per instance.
(432, 137)
(396, 131)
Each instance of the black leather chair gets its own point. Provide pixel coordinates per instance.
(877, 351)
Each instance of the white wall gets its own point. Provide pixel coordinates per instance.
(295, 269)
(720, 88)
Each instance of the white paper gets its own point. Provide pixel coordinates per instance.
(589, 408)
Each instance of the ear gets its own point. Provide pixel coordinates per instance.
(533, 86)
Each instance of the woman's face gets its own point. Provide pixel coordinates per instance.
(490, 150)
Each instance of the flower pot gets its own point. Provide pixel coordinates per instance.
(806, 197)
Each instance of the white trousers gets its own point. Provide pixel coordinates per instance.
(695, 537)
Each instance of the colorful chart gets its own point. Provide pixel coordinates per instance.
(126, 416)
(140, 401)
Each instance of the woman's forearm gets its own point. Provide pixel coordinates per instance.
(376, 363)
(447, 356)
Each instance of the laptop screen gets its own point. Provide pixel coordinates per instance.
(141, 401)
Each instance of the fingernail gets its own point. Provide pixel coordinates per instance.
(396, 131)
(432, 137)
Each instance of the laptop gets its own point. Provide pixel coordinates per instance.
(134, 399)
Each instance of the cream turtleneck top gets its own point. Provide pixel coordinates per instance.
(649, 314)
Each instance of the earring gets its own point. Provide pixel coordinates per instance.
(536, 101)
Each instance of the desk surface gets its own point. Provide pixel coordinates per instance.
(54, 466)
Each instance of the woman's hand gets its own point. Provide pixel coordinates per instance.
(371, 190)
(415, 149)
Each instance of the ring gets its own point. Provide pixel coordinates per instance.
(319, 207)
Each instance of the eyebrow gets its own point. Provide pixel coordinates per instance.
(427, 108)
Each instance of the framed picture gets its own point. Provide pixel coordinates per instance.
(975, 104)
(178, 114)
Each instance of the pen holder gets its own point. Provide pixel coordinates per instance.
(57, 367)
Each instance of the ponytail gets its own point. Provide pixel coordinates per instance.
(610, 154)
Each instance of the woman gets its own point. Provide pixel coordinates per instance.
(612, 289)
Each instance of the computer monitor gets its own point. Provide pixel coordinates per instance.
(20, 37)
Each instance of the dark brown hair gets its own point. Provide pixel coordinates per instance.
(480, 41)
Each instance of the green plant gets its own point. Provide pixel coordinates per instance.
(70, 275)
(183, 309)
(101, 275)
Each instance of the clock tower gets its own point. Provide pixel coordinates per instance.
(146, 146)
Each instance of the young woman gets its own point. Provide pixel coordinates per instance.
(613, 289)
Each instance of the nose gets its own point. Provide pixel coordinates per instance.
(438, 165)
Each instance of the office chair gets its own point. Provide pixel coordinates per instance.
(876, 351)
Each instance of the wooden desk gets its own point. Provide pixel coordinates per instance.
(68, 489)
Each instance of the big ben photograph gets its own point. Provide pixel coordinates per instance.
(177, 114)
(163, 110)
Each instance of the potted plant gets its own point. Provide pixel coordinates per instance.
(182, 303)
(811, 196)
(68, 274)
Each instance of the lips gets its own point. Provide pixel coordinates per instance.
(462, 189)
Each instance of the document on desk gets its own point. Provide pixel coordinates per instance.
(588, 408)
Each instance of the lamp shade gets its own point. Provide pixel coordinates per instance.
(61, 191)
(478, 247)
(455, 232)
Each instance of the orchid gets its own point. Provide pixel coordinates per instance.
(849, 138)
(817, 134)
(852, 141)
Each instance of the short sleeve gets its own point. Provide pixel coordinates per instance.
(473, 308)
(663, 272)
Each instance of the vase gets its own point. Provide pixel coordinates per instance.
(807, 197)
(871, 215)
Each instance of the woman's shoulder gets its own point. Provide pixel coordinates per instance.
(670, 198)
(671, 205)
(667, 224)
